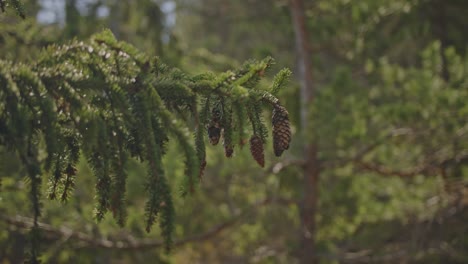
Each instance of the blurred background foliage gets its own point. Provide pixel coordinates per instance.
(390, 120)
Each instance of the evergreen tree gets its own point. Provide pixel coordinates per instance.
(107, 101)
(388, 119)
(15, 4)
(382, 73)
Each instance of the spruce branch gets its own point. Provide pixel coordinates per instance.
(107, 100)
(16, 4)
(227, 128)
(280, 80)
(240, 117)
(28, 156)
(199, 138)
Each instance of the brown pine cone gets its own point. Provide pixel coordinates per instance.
(214, 130)
(214, 133)
(216, 115)
(256, 148)
(228, 146)
(281, 130)
(228, 150)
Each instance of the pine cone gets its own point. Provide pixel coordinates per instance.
(214, 133)
(256, 148)
(214, 130)
(228, 146)
(228, 150)
(281, 130)
(216, 115)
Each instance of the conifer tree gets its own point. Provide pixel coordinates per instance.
(107, 101)
(15, 4)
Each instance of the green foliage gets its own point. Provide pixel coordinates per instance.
(108, 101)
(408, 122)
(417, 100)
(389, 93)
(280, 79)
(389, 120)
(16, 4)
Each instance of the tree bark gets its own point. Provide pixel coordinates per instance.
(307, 251)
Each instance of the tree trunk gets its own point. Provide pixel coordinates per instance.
(116, 16)
(440, 23)
(311, 170)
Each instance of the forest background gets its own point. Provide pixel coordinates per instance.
(377, 170)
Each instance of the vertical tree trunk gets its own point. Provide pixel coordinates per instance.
(115, 17)
(72, 19)
(311, 169)
(440, 23)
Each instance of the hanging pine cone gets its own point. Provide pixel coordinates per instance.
(256, 148)
(216, 115)
(214, 133)
(214, 129)
(228, 150)
(281, 130)
(228, 146)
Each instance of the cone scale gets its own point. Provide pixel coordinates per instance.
(256, 149)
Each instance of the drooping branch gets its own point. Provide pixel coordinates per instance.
(107, 100)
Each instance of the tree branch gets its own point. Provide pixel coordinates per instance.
(130, 243)
(434, 163)
(279, 166)
(385, 171)
(367, 149)
(425, 168)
